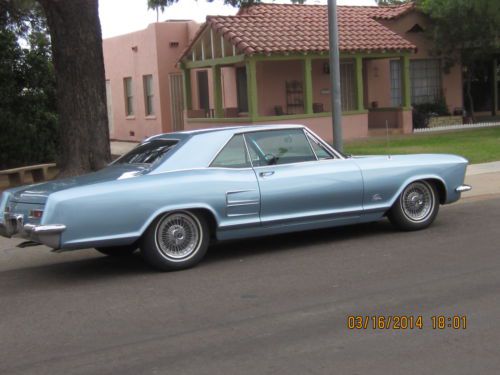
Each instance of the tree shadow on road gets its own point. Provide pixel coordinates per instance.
(95, 267)
(295, 241)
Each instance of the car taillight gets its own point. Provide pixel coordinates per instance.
(36, 214)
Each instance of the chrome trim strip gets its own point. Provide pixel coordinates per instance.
(328, 147)
(243, 203)
(463, 188)
(247, 150)
(45, 229)
(311, 138)
(309, 143)
(243, 214)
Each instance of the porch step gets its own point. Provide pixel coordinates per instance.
(380, 132)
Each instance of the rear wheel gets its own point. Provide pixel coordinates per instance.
(117, 251)
(416, 207)
(175, 241)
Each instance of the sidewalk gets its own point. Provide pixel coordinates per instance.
(484, 179)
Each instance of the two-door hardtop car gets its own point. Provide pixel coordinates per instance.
(175, 192)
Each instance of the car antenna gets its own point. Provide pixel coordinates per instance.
(387, 138)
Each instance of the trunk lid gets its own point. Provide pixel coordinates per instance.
(38, 193)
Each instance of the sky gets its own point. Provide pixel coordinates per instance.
(124, 16)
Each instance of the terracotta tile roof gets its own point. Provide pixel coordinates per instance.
(288, 28)
(391, 11)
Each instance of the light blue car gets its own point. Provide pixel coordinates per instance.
(174, 193)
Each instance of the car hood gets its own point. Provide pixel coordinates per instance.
(38, 193)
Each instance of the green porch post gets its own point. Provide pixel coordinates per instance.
(360, 96)
(308, 86)
(217, 87)
(495, 87)
(253, 110)
(186, 92)
(405, 80)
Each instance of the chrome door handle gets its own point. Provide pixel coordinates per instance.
(266, 174)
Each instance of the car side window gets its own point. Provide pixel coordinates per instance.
(276, 147)
(233, 155)
(321, 152)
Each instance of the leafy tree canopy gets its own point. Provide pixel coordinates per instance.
(27, 97)
(464, 30)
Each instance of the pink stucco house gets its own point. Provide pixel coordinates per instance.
(269, 64)
(143, 84)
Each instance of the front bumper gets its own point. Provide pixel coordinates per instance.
(50, 235)
(463, 188)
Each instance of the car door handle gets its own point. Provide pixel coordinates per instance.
(266, 174)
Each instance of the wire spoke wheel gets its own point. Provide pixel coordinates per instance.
(417, 201)
(178, 236)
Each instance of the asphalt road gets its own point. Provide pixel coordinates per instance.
(274, 305)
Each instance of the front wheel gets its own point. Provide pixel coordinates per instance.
(416, 207)
(175, 241)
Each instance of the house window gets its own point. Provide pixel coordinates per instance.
(129, 97)
(348, 86)
(395, 83)
(425, 77)
(425, 81)
(148, 94)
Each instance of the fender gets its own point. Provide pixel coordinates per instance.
(179, 207)
(418, 178)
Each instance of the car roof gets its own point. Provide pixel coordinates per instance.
(228, 129)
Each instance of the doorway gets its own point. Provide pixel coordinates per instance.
(241, 88)
(203, 98)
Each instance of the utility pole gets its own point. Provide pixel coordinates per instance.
(333, 31)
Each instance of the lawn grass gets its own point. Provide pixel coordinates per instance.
(477, 145)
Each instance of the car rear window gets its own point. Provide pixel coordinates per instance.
(148, 152)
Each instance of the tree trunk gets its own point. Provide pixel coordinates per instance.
(75, 32)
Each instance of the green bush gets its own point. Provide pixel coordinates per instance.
(28, 119)
(422, 112)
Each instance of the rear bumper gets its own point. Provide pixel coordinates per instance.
(50, 235)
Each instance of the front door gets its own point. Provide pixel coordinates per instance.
(298, 184)
(176, 102)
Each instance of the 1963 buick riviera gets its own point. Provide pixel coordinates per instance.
(175, 192)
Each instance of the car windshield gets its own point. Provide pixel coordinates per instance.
(147, 152)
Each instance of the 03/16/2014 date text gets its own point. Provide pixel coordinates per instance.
(398, 322)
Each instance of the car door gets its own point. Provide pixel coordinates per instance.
(297, 185)
(238, 196)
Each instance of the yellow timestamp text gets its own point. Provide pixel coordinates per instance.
(402, 322)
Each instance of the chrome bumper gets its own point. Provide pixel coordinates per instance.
(463, 188)
(49, 235)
